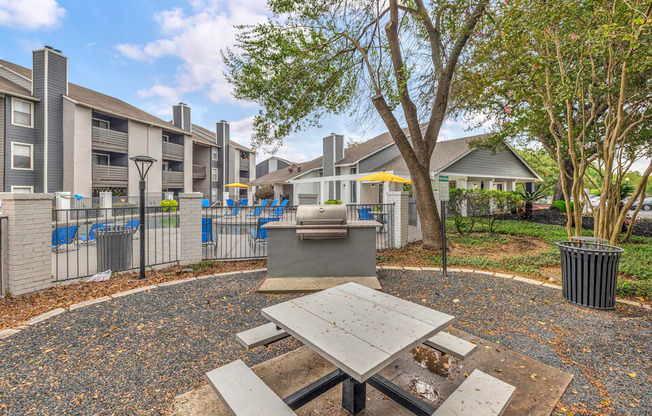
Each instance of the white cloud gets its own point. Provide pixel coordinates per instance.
(196, 39)
(30, 14)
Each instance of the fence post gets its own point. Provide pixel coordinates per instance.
(401, 216)
(190, 216)
(29, 242)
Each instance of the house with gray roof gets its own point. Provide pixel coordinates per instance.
(333, 175)
(57, 136)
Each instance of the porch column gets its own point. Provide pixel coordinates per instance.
(399, 225)
(463, 183)
(190, 215)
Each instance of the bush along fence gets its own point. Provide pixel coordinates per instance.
(44, 246)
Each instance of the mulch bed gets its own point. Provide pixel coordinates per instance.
(16, 311)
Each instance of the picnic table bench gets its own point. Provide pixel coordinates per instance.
(360, 331)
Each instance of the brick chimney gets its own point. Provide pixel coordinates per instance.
(333, 152)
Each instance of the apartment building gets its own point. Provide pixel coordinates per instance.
(58, 136)
(335, 174)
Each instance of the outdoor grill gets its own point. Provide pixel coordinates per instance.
(321, 222)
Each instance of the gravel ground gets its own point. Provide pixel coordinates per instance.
(132, 355)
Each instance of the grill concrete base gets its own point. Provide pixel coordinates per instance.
(313, 284)
(422, 372)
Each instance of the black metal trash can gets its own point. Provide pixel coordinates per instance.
(589, 272)
(114, 248)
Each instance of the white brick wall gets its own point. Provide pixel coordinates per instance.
(401, 215)
(190, 215)
(29, 242)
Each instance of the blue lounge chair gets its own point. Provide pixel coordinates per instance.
(278, 211)
(230, 203)
(207, 234)
(264, 203)
(90, 237)
(133, 225)
(233, 213)
(273, 204)
(63, 235)
(256, 212)
(243, 202)
(259, 235)
(364, 214)
(205, 203)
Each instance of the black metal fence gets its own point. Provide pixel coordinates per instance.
(237, 232)
(4, 285)
(75, 232)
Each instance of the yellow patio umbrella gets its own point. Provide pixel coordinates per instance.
(236, 185)
(383, 177)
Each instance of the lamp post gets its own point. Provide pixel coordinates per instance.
(143, 164)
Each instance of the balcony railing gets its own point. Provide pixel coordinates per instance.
(110, 175)
(173, 151)
(109, 140)
(244, 164)
(171, 178)
(199, 172)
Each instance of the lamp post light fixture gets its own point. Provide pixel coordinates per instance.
(143, 164)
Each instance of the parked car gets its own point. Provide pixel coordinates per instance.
(647, 204)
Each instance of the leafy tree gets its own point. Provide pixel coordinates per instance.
(577, 74)
(265, 192)
(395, 58)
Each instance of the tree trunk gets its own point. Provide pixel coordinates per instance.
(427, 208)
(559, 192)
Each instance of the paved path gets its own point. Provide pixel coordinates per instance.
(133, 354)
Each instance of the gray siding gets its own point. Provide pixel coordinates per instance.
(328, 156)
(38, 90)
(223, 135)
(2, 142)
(339, 147)
(262, 168)
(21, 135)
(186, 118)
(176, 116)
(57, 86)
(280, 165)
(486, 163)
(370, 163)
(16, 79)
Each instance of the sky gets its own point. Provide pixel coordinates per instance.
(154, 54)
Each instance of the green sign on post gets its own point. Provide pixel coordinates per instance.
(444, 194)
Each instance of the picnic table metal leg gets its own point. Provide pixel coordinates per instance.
(354, 395)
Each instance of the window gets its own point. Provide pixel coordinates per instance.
(354, 191)
(214, 194)
(244, 155)
(354, 171)
(22, 189)
(22, 113)
(166, 166)
(101, 159)
(214, 153)
(21, 156)
(166, 138)
(103, 124)
(214, 175)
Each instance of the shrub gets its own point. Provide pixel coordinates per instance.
(561, 206)
(480, 205)
(265, 192)
(333, 202)
(169, 205)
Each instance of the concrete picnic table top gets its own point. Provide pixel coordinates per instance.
(357, 329)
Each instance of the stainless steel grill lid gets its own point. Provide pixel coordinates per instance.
(320, 222)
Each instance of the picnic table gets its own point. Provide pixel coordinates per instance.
(360, 331)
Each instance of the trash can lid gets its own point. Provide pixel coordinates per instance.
(589, 246)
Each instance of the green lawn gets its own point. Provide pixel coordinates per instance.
(635, 263)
